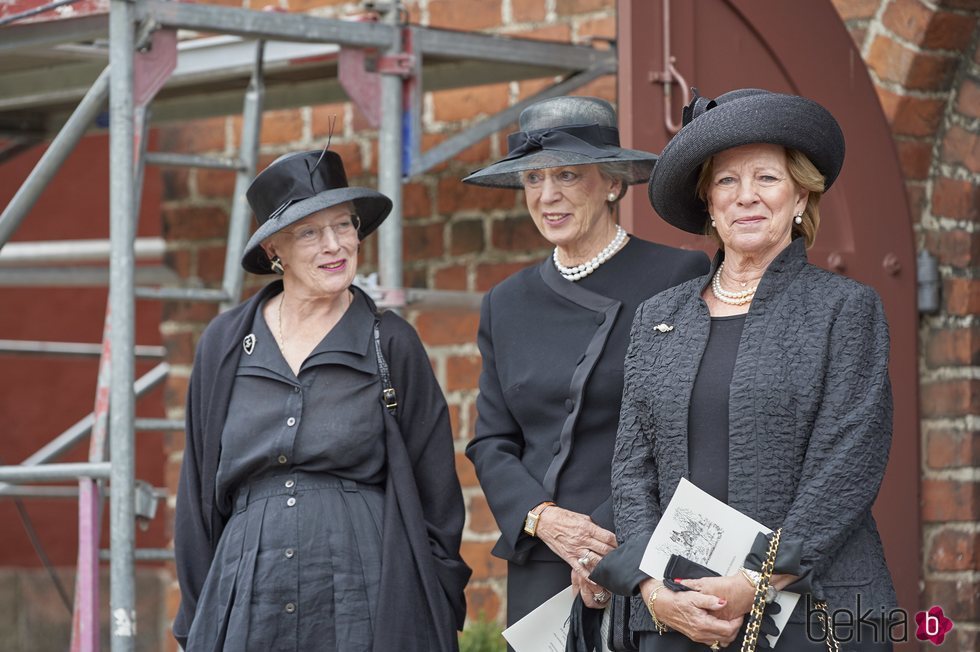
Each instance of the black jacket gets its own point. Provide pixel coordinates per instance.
(809, 429)
(551, 385)
(421, 593)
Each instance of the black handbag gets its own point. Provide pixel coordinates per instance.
(619, 636)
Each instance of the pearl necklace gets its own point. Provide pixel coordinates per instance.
(731, 298)
(589, 266)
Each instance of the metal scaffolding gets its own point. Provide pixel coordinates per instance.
(270, 60)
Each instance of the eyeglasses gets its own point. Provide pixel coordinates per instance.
(310, 234)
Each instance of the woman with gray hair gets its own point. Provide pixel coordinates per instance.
(765, 383)
(553, 337)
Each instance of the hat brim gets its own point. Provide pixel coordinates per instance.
(372, 208)
(507, 174)
(740, 118)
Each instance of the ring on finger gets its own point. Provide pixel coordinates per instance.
(584, 559)
(716, 646)
(601, 596)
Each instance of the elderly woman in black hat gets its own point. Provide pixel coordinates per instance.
(553, 338)
(318, 506)
(765, 383)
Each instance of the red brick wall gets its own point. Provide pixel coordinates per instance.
(925, 61)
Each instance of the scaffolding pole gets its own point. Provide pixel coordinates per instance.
(390, 159)
(122, 187)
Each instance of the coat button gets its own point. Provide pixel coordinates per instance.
(290, 483)
(290, 502)
(556, 448)
(290, 608)
(289, 553)
(569, 404)
(281, 459)
(290, 422)
(600, 318)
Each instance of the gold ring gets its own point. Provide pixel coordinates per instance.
(716, 646)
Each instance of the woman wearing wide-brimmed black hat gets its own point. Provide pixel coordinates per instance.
(553, 337)
(764, 382)
(318, 505)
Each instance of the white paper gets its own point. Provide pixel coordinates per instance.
(546, 628)
(705, 530)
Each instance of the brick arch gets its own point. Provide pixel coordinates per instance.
(924, 59)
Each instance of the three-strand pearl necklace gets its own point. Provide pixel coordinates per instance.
(731, 298)
(589, 266)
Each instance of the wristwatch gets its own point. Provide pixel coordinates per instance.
(531, 520)
(753, 577)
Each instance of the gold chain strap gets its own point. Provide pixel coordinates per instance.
(824, 616)
(759, 602)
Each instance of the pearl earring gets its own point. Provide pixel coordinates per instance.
(712, 222)
(798, 219)
(276, 264)
(612, 197)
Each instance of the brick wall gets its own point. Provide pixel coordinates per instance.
(924, 58)
(456, 237)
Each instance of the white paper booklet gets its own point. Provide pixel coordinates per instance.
(546, 628)
(703, 529)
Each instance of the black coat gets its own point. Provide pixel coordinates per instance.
(423, 576)
(551, 385)
(809, 429)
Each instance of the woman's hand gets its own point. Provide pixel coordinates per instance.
(733, 589)
(693, 614)
(575, 538)
(593, 595)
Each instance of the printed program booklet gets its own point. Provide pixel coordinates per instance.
(703, 529)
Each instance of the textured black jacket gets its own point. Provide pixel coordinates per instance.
(421, 597)
(810, 420)
(551, 386)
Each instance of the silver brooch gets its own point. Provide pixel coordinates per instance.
(249, 343)
(663, 328)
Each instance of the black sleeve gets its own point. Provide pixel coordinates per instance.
(424, 420)
(192, 536)
(496, 451)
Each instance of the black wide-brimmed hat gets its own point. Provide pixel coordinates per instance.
(296, 185)
(740, 117)
(559, 132)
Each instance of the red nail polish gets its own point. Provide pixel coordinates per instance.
(678, 579)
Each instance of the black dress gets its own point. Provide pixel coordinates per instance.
(550, 392)
(298, 565)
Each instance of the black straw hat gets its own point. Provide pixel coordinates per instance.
(740, 117)
(559, 132)
(296, 185)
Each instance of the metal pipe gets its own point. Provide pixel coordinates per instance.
(19, 474)
(71, 349)
(16, 254)
(122, 211)
(54, 156)
(390, 161)
(145, 554)
(167, 159)
(58, 492)
(182, 294)
(159, 425)
(248, 155)
(80, 276)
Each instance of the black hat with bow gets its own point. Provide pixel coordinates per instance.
(296, 185)
(740, 117)
(559, 132)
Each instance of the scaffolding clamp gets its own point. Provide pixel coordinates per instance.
(145, 507)
(401, 64)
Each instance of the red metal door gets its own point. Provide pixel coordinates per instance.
(866, 230)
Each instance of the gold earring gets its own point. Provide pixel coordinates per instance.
(276, 264)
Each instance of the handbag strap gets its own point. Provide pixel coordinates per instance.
(388, 396)
(759, 602)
